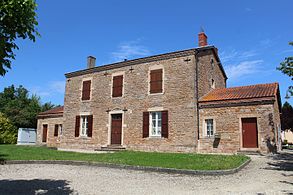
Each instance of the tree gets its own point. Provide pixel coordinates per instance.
(287, 116)
(8, 132)
(20, 108)
(286, 67)
(17, 20)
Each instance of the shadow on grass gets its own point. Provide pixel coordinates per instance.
(2, 159)
(282, 162)
(35, 186)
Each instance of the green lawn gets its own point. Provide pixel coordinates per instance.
(154, 159)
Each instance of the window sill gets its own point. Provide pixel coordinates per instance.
(86, 100)
(208, 137)
(84, 137)
(162, 93)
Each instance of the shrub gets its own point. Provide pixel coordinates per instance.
(8, 132)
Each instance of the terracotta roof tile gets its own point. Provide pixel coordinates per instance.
(57, 110)
(244, 92)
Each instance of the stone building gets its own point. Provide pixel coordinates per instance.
(175, 102)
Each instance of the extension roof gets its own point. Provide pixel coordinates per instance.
(240, 93)
(58, 111)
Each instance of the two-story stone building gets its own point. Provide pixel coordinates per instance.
(176, 102)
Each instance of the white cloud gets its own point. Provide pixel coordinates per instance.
(57, 86)
(234, 55)
(51, 89)
(131, 49)
(243, 68)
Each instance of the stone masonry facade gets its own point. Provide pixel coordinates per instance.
(188, 76)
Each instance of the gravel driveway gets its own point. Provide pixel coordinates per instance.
(264, 175)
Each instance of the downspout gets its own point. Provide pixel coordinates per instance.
(196, 91)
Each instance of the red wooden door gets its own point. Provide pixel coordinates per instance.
(249, 133)
(45, 131)
(116, 129)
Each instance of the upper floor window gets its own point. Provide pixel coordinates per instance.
(213, 85)
(86, 90)
(212, 63)
(117, 86)
(156, 81)
(209, 127)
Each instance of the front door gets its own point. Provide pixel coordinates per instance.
(249, 133)
(116, 128)
(45, 131)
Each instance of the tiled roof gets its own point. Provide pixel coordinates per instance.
(147, 59)
(244, 92)
(57, 110)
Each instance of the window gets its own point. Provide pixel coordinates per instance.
(117, 86)
(84, 126)
(58, 129)
(213, 85)
(209, 127)
(86, 90)
(155, 123)
(212, 63)
(156, 81)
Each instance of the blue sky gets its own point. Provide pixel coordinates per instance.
(252, 38)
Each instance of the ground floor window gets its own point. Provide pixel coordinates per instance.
(209, 127)
(155, 123)
(84, 125)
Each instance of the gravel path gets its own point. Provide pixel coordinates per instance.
(264, 175)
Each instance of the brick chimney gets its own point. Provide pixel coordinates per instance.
(202, 39)
(91, 62)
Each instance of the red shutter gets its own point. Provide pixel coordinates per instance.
(86, 90)
(145, 128)
(156, 82)
(165, 124)
(56, 130)
(117, 86)
(77, 126)
(90, 126)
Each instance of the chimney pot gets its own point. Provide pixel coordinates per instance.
(202, 39)
(91, 62)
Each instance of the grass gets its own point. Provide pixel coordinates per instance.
(153, 159)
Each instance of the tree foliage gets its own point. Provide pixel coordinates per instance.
(8, 132)
(286, 67)
(17, 20)
(20, 108)
(287, 116)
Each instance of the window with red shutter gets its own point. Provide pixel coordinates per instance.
(117, 86)
(145, 128)
(165, 131)
(77, 126)
(90, 126)
(156, 81)
(86, 90)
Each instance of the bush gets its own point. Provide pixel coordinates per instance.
(8, 132)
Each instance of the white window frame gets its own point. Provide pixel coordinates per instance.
(83, 129)
(206, 134)
(158, 129)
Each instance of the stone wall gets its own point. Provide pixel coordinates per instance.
(52, 141)
(228, 123)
